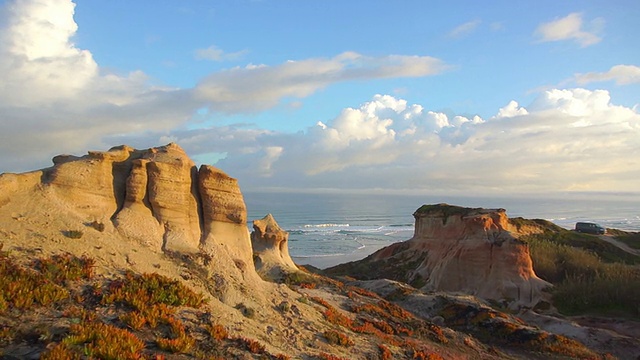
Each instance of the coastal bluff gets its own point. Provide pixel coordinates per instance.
(145, 246)
(456, 249)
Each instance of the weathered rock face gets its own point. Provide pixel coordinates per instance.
(473, 252)
(224, 218)
(270, 248)
(460, 250)
(155, 196)
(92, 184)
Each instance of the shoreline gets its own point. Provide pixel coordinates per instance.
(323, 262)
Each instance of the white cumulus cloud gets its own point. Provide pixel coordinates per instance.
(567, 139)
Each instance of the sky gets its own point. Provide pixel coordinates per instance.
(456, 97)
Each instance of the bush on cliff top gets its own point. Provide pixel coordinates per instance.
(445, 209)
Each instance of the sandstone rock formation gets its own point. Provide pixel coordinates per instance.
(458, 249)
(156, 196)
(270, 248)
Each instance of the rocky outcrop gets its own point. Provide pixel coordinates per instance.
(156, 196)
(270, 248)
(458, 249)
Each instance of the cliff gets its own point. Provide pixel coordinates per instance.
(457, 249)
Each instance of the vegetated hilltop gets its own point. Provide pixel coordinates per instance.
(129, 254)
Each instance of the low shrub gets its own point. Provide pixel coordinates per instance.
(337, 338)
(60, 352)
(321, 301)
(385, 353)
(134, 319)
(143, 291)
(284, 307)
(336, 317)
(23, 288)
(253, 346)
(99, 340)
(65, 267)
(179, 342)
(217, 332)
(299, 278)
(363, 292)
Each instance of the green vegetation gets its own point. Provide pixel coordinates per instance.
(23, 288)
(496, 327)
(590, 275)
(592, 243)
(144, 291)
(135, 316)
(631, 239)
(102, 341)
(445, 210)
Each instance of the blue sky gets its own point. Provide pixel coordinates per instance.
(408, 96)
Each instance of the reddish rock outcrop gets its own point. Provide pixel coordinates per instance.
(458, 249)
(270, 248)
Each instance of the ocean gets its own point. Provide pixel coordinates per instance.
(330, 225)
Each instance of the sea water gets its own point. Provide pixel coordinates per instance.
(321, 225)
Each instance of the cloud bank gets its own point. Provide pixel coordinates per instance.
(55, 98)
(565, 140)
